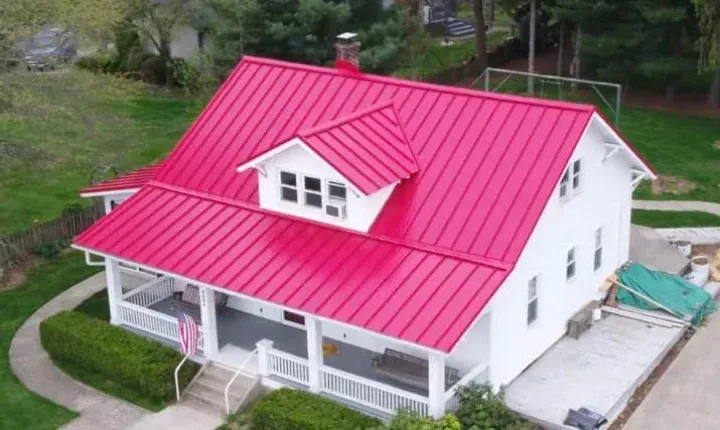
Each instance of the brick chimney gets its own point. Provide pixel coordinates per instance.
(347, 52)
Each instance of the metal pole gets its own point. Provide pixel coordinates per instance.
(617, 106)
(487, 80)
(531, 51)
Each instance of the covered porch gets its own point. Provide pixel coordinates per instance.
(298, 355)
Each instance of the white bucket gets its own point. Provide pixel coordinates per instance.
(684, 247)
(700, 264)
(596, 314)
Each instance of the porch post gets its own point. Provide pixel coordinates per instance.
(436, 385)
(114, 287)
(315, 352)
(263, 366)
(209, 322)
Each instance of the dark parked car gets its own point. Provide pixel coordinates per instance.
(49, 48)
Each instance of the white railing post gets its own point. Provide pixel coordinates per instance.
(209, 322)
(263, 347)
(436, 385)
(315, 352)
(114, 286)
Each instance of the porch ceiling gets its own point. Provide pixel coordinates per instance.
(404, 291)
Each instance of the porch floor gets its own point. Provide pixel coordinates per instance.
(239, 332)
(599, 371)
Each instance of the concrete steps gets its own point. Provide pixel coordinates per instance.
(207, 392)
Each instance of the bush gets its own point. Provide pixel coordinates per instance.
(404, 420)
(50, 249)
(287, 409)
(96, 63)
(139, 364)
(185, 75)
(154, 70)
(481, 409)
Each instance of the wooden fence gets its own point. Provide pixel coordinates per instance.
(17, 247)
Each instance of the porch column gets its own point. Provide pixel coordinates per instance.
(263, 365)
(315, 352)
(209, 322)
(436, 385)
(114, 287)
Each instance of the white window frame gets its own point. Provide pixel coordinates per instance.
(533, 300)
(576, 175)
(298, 178)
(319, 193)
(598, 250)
(564, 185)
(331, 183)
(571, 180)
(571, 260)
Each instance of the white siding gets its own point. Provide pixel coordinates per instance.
(603, 201)
(361, 211)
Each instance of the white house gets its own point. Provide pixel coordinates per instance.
(377, 240)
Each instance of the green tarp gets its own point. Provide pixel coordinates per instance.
(687, 300)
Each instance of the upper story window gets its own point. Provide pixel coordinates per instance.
(532, 307)
(571, 264)
(597, 262)
(570, 180)
(314, 192)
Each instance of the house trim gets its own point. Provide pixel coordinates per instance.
(623, 145)
(109, 193)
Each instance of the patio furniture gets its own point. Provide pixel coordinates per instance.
(408, 369)
(191, 296)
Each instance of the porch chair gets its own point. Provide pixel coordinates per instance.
(191, 296)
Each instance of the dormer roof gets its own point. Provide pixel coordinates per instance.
(368, 147)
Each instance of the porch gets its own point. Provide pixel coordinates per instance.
(282, 354)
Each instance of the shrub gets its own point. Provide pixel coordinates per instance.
(50, 249)
(185, 75)
(96, 63)
(115, 354)
(482, 409)
(287, 409)
(154, 70)
(405, 420)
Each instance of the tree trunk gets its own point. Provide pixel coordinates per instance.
(575, 65)
(531, 48)
(491, 13)
(714, 96)
(480, 42)
(561, 46)
(166, 57)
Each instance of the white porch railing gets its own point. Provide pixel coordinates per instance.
(153, 292)
(452, 400)
(372, 394)
(288, 366)
(152, 321)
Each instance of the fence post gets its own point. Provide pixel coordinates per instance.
(263, 347)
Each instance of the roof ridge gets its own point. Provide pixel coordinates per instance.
(486, 261)
(511, 98)
(311, 131)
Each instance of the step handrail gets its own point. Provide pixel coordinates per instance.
(235, 376)
(177, 382)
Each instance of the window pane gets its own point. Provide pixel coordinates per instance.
(598, 258)
(312, 184)
(532, 312)
(576, 182)
(571, 255)
(565, 176)
(337, 191)
(289, 194)
(570, 272)
(288, 179)
(563, 190)
(576, 167)
(312, 199)
(532, 288)
(598, 237)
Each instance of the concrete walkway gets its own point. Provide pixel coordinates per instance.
(33, 367)
(686, 397)
(677, 206)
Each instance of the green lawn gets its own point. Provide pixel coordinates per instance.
(662, 219)
(21, 408)
(55, 129)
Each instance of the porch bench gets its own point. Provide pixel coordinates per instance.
(408, 369)
(191, 296)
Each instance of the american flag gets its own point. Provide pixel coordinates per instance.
(188, 330)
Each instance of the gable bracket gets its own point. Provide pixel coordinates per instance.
(611, 148)
(637, 177)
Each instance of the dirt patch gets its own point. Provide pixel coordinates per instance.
(644, 388)
(672, 185)
(16, 276)
(717, 145)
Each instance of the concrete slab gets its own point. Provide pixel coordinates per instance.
(694, 235)
(652, 250)
(686, 396)
(599, 371)
(178, 417)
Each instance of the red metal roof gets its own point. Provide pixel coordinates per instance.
(126, 181)
(402, 290)
(369, 148)
(486, 166)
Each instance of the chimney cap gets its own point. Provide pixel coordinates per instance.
(347, 36)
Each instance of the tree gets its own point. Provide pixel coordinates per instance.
(481, 62)
(708, 12)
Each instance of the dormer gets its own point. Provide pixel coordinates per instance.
(341, 172)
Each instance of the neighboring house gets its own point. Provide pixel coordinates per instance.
(377, 240)
(187, 43)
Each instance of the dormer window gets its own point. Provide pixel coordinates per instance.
(288, 187)
(313, 192)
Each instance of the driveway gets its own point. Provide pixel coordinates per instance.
(687, 396)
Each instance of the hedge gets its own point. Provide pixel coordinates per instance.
(287, 409)
(144, 366)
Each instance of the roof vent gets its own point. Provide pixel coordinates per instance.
(347, 52)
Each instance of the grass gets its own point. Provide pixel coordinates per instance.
(23, 409)
(662, 219)
(96, 306)
(56, 129)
